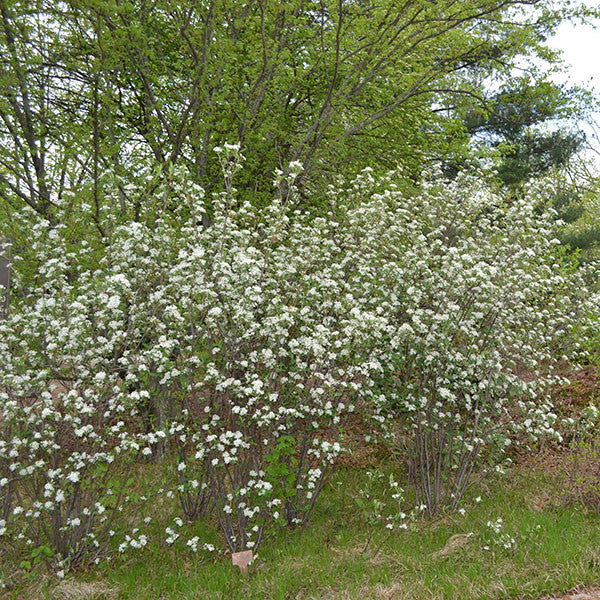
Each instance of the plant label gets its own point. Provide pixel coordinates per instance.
(242, 560)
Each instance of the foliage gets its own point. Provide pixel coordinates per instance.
(102, 86)
(530, 124)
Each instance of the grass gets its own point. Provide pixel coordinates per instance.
(557, 549)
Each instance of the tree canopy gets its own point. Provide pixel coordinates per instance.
(98, 90)
(516, 123)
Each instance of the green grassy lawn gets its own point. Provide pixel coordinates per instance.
(557, 548)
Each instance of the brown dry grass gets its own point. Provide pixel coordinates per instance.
(70, 589)
(456, 542)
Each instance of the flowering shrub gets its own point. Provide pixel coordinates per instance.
(382, 507)
(68, 438)
(497, 536)
(481, 305)
(74, 395)
(581, 427)
(277, 354)
(6, 492)
(239, 346)
(239, 350)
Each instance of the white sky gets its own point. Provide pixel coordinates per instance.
(580, 45)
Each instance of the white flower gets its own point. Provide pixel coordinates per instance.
(73, 476)
(113, 302)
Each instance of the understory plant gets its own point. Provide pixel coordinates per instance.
(482, 305)
(71, 432)
(380, 502)
(236, 354)
(279, 350)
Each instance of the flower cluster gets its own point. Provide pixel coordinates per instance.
(498, 537)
